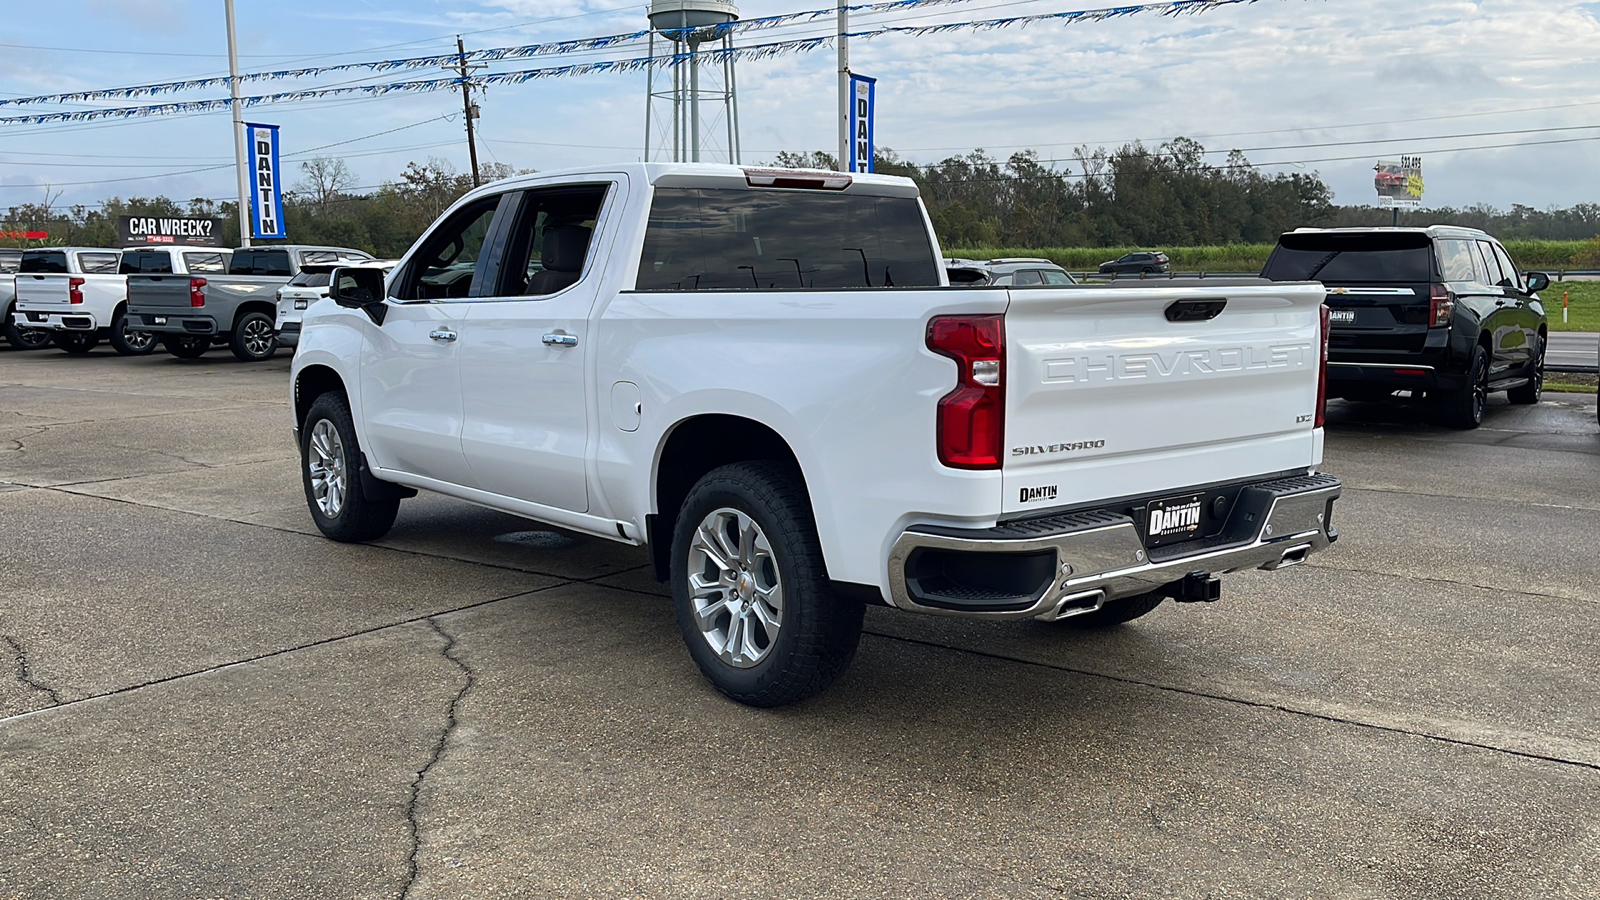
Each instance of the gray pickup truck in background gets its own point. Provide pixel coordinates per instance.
(191, 312)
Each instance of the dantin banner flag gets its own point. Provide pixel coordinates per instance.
(863, 105)
(266, 191)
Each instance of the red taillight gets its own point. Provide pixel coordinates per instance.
(971, 421)
(1322, 371)
(197, 292)
(74, 290)
(1441, 306)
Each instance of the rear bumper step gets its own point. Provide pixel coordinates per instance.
(1072, 563)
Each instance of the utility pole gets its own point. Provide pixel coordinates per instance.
(469, 110)
(844, 87)
(238, 131)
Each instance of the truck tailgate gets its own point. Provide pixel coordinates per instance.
(44, 293)
(1122, 392)
(146, 291)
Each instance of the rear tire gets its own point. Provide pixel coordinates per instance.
(1530, 393)
(130, 343)
(253, 338)
(1116, 612)
(24, 338)
(751, 591)
(75, 342)
(330, 471)
(185, 346)
(1464, 408)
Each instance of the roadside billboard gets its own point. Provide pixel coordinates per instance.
(138, 231)
(1399, 183)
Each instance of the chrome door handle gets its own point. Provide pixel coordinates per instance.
(442, 335)
(561, 340)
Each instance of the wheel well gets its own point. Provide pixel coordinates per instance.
(314, 381)
(270, 310)
(695, 447)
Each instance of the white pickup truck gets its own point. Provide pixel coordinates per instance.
(763, 376)
(77, 295)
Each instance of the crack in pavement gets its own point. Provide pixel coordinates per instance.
(434, 757)
(24, 674)
(1327, 566)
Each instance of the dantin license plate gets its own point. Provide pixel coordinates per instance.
(1173, 519)
(1342, 316)
(300, 303)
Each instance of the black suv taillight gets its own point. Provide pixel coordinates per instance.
(971, 419)
(1441, 306)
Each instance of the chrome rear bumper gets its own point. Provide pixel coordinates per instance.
(1099, 555)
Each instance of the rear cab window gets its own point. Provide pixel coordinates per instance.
(1351, 258)
(146, 262)
(717, 239)
(43, 262)
(274, 263)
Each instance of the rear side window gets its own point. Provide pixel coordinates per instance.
(43, 262)
(314, 278)
(1455, 261)
(99, 263)
(9, 260)
(718, 240)
(145, 262)
(205, 263)
(1028, 276)
(260, 262)
(1351, 258)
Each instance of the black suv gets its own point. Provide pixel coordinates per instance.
(1440, 312)
(1141, 263)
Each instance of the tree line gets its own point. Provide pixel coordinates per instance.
(1166, 196)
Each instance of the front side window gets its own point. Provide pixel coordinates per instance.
(1496, 275)
(1052, 276)
(99, 263)
(720, 239)
(444, 266)
(1507, 266)
(1028, 276)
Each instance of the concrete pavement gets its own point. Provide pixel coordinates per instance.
(206, 699)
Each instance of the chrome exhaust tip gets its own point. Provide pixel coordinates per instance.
(1293, 556)
(1074, 605)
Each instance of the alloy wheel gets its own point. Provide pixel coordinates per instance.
(326, 465)
(735, 587)
(258, 337)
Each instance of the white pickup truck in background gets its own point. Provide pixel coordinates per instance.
(77, 295)
(20, 337)
(763, 376)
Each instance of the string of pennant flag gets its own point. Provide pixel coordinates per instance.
(710, 33)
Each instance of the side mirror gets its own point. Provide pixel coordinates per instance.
(358, 288)
(1537, 281)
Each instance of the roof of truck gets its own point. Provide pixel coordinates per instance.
(709, 174)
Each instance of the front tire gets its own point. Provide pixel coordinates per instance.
(1530, 393)
(75, 342)
(751, 592)
(186, 346)
(1464, 408)
(130, 343)
(330, 470)
(253, 338)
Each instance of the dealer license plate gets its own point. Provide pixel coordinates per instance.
(300, 303)
(1342, 316)
(1173, 519)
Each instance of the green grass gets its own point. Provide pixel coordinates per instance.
(1583, 305)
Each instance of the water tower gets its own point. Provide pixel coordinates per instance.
(702, 110)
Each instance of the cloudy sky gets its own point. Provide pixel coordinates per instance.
(1495, 95)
